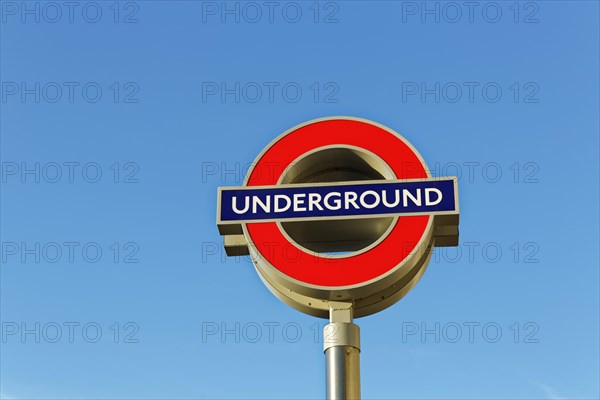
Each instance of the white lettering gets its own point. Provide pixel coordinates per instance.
(277, 206)
(234, 205)
(396, 201)
(337, 203)
(299, 200)
(406, 194)
(367, 193)
(266, 206)
(314, 200)
(350, 198)
(428, 201)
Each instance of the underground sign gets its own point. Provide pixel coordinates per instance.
(339, 209)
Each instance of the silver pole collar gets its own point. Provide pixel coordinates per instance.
(340, 331)
(341, 334)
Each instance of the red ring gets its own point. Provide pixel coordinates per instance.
(346, 271)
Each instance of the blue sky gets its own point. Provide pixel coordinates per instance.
(120, 120)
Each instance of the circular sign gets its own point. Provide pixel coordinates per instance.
(370, 259)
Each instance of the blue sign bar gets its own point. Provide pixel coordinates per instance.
(285, 202)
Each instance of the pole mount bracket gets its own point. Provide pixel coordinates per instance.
(340, 331)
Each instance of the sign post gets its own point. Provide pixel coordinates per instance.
(340, 216)
(341, 343)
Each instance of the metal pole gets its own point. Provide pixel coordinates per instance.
(341, 343)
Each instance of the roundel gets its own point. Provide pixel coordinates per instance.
(340, 242)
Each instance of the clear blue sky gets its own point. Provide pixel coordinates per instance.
(168, 128)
